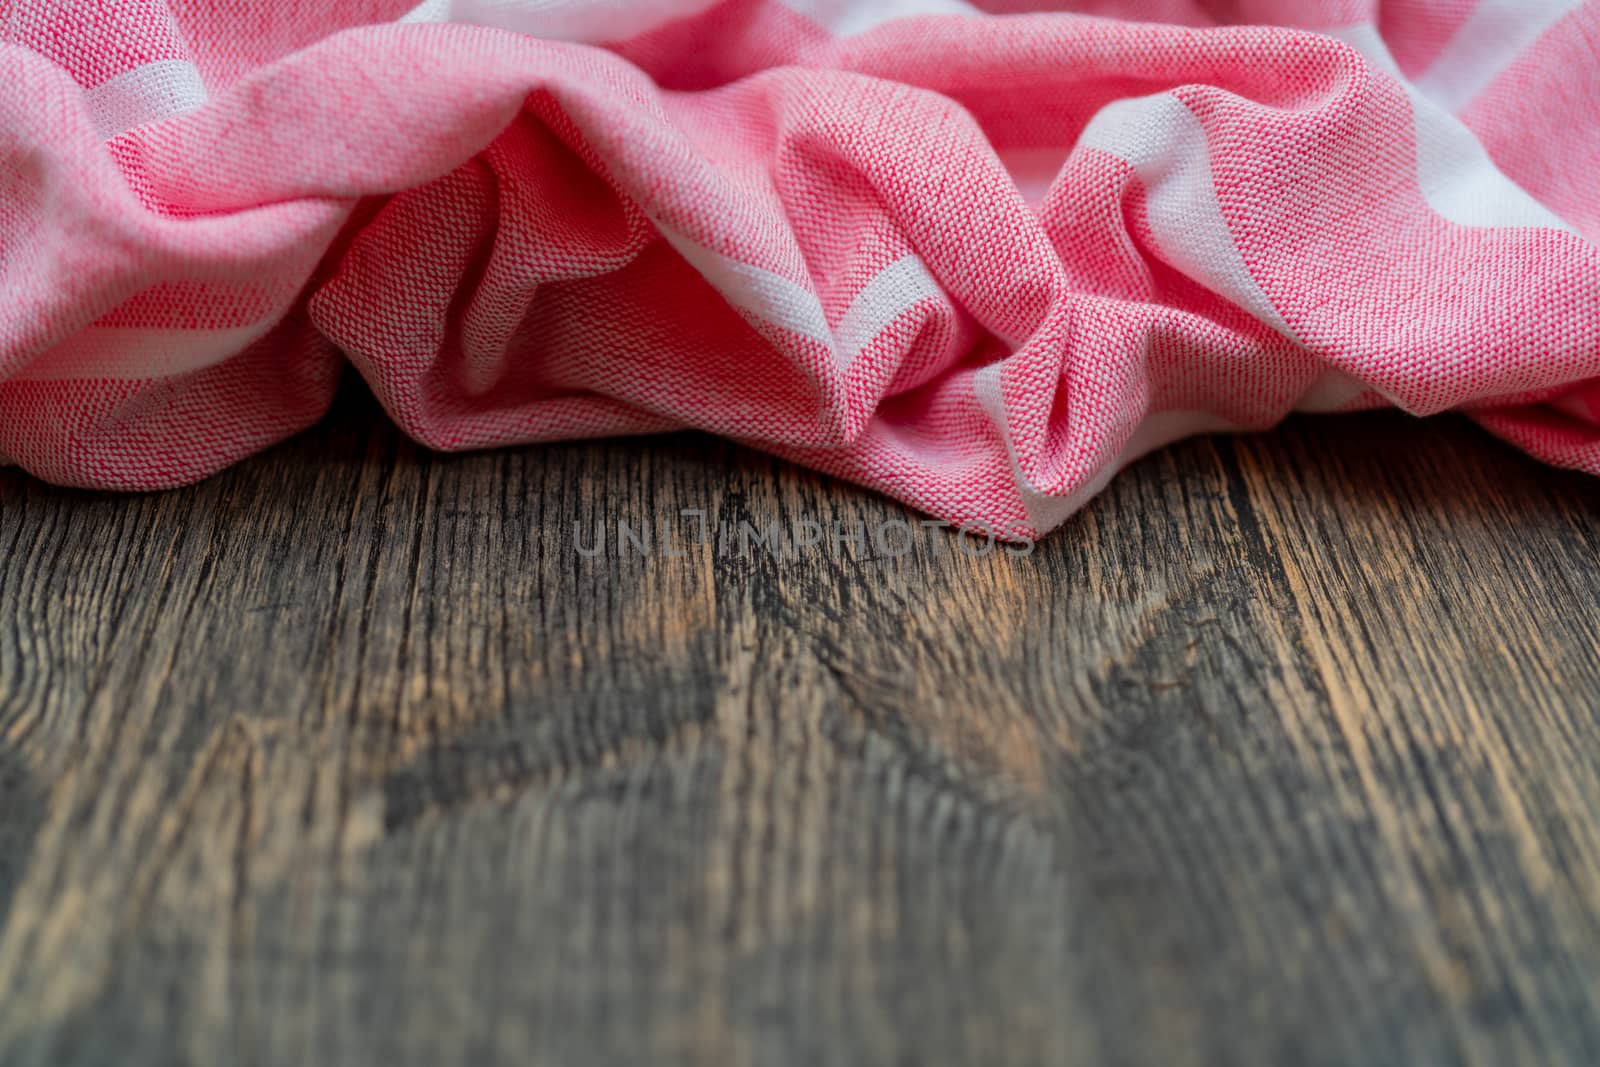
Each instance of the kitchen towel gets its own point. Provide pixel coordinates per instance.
(977, 256)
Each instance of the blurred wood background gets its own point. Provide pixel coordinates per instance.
(1284, 751)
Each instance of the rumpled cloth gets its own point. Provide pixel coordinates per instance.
(977, 256)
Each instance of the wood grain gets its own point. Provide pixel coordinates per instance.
(1284, 751)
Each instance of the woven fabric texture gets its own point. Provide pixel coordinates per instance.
(977, 256)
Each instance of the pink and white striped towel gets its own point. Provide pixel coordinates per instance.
(977, 255)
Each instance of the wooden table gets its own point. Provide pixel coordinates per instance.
(1284, 751)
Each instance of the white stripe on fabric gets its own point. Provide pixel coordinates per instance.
(773, 298)
(762, 293)
(123, 353)
(1332, 391)
(580, 21)
(1166, 146)
(1494, 35)
(892, 292)
(1454, 171)
(1046, 512)
(144, 94)
(845, 17)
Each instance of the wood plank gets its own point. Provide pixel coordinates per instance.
(1284, 750)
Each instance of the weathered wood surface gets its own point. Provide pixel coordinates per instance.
(1284, 751)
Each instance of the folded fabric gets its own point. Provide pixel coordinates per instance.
(977, 256)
